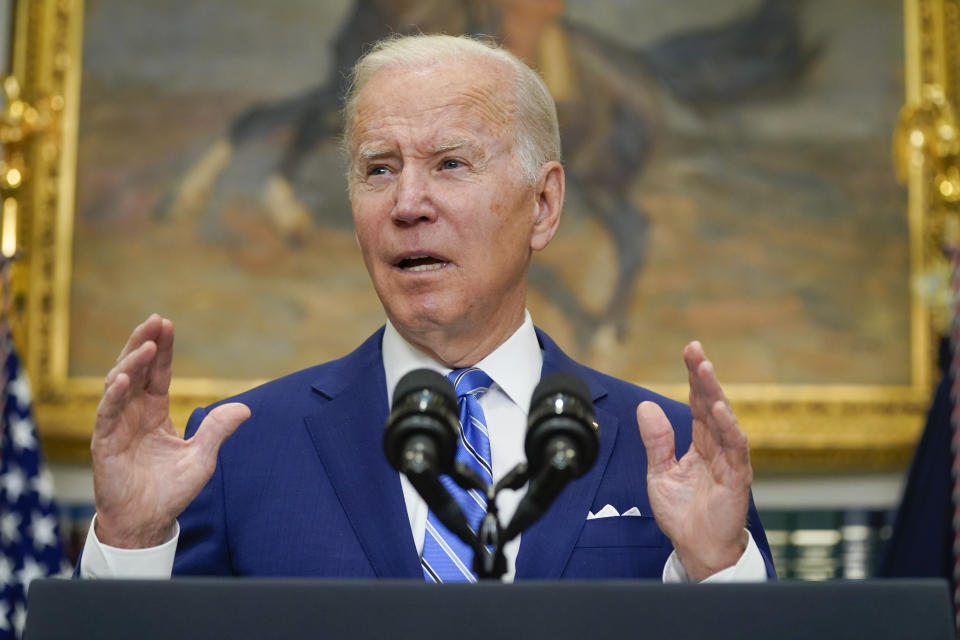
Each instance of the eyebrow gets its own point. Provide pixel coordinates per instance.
(479, 153)
(453, 144)
(368, 153)
(372, 153)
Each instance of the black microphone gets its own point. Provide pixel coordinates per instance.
(561, 444)
(420, 441)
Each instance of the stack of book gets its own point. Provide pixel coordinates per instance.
(810, 544)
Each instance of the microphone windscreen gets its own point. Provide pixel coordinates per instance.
(561, 383)
(420, 379)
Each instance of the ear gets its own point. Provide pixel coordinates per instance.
(548, 206)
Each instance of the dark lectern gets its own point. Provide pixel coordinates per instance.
(257, 608)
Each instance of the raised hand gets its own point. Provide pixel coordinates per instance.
(700, 501)
(144, 473)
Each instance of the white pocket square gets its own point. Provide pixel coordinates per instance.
(609, 511)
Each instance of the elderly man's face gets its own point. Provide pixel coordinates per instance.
(444, 217)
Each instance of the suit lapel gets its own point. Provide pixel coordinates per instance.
(347, 433)
(546, 546)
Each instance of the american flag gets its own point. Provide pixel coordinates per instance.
(30, 545)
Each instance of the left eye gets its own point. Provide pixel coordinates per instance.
(450, 164)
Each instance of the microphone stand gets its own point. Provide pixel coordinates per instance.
(489, 563)
(420, 441)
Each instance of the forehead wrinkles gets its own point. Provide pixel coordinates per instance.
(486, 97)
(424, 141)
(494, 105)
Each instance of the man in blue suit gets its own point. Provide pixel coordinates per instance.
(455, 180)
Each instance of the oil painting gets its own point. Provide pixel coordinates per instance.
(728, 165)
(730, 178)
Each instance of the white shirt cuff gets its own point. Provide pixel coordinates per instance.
(749, 568)
(103, 561)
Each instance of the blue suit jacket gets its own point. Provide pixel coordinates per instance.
(303, 487)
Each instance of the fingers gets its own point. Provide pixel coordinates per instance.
(219, 425)
(705, 388)
(123, 380)
(732, 439)
(112, 403)
(156, 335)
(134, 365)
(144, 363)
(149, 329)
(712, 412)
(161, 369)
(657, 436)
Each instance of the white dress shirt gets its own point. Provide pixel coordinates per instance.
(514, 368)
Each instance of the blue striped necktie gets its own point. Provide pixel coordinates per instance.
(445, 557)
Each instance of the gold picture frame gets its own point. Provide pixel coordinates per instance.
(791, 427)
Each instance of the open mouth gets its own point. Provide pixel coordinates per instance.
(422, 263)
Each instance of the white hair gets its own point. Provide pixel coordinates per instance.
(537, 132)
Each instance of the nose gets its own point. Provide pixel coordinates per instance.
(412, 201)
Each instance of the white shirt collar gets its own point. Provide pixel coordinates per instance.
(514, 366)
